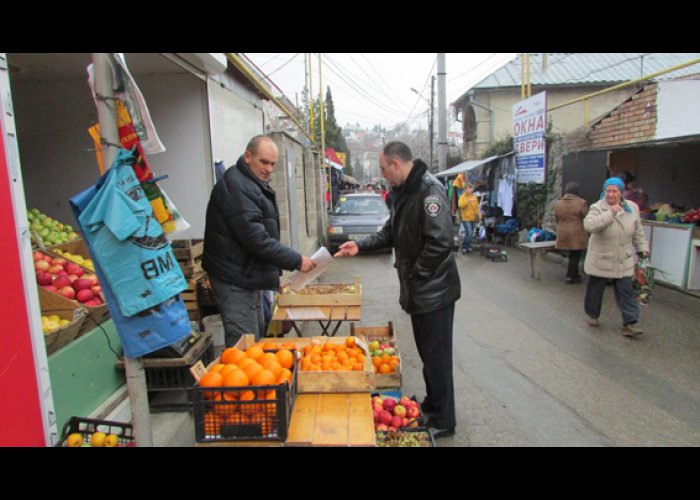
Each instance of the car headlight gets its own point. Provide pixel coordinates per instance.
(335, 229)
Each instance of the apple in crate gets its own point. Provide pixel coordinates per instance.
(84, 295)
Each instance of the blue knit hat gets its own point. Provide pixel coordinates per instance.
(619, 183)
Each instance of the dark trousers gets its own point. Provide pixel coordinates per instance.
(433, 334)
(624, 298)
(574, 259)
(241, 310)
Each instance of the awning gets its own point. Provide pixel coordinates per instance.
(465, 166)
(334, 164)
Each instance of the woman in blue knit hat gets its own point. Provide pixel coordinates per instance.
(616, 234)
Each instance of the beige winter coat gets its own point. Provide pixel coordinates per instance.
(614, 240)
(569, 213)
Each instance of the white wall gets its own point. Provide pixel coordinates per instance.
(678, 109)
(234, 122)
(177, 104)
(52, 119)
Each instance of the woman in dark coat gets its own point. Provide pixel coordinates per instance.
(569, 213)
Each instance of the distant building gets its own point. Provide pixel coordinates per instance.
(485, 110)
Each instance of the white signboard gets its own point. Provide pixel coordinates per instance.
(529, 127)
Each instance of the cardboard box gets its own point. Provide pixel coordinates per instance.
(52, 303)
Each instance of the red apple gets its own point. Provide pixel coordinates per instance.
(41, 265)
(377, 399)
(59, 261)
(72, 277)
(47, 258)
(73, 268)
(389, 404)
(96, 289)
(92, 278)
(391, 428)
(91, 303)
(404, 422)
(400, 411)
(84, 295)
(413, 412)
(381, 428)
(82, 284)
(385, 417)
(396, 421)
(37, 255)
(56, 268)
(67, 292)
(50, 288)
(43, 278)
(405, 401)
(61, 281)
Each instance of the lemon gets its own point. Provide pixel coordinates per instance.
(111, 441)
(98, 439)
(74, 440)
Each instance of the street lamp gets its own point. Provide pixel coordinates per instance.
(432, 93)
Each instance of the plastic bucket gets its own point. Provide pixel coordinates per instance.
(213, 324)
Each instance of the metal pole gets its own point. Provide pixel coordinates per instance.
(135, 374)
(442, 114)
(432, 107)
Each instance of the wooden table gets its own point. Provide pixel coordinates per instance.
(332, 420)
(536, 250)
(326, 316)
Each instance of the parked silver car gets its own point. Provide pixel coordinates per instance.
(355, 216)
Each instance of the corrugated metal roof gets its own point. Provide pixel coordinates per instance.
(589, 68)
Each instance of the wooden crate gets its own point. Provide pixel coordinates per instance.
(187, 249)
(332, 420)
(322, 381)
(319, 296)
(189, 256)
(370, 333)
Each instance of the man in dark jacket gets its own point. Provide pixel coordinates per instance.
(420, 231)
(242, 251)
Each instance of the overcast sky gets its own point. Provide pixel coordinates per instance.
(372, 88)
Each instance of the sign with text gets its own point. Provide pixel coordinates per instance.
(529, 127)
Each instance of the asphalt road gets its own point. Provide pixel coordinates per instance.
(529, 371)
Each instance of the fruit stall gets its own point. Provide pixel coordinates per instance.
(674, 241)
(310, 391)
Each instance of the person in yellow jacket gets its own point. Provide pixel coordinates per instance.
(470, 214)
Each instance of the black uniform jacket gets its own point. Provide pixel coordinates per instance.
(241, 238)
(420, 231)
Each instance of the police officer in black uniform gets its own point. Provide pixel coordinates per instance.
(420, 231)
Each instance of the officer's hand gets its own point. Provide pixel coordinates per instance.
(347, 249)
(306, 264)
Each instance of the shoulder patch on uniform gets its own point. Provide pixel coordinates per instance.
(433, 205)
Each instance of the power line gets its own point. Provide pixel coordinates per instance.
(359, 91)
(283, 65)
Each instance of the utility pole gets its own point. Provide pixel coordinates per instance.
(442, 113)
(135, 373)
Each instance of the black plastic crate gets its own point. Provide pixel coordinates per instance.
(87, 426)
(221, 415)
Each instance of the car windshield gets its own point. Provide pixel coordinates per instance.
(361, 206)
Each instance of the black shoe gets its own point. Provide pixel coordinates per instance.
(426, 408)
(573, 281)
(441, 433)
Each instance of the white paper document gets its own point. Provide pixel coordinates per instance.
(299, 280)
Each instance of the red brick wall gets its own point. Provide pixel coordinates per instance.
(633, 121)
